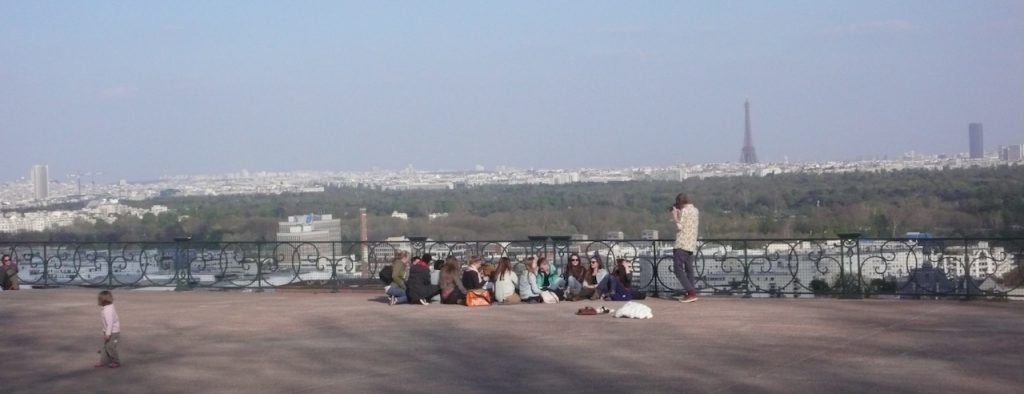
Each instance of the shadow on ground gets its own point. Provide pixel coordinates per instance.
(234, 342)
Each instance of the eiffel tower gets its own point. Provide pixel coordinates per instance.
(748, 155)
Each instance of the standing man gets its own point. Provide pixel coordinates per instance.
(686, 218)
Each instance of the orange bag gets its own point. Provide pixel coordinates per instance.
(478, 297)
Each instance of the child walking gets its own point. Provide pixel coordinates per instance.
(111, 332)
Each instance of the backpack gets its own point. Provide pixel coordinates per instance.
(385, 274)
(623, 296)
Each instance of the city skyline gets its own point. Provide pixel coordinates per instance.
(140, 91)
(995, 154)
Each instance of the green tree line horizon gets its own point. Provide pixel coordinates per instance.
(973, 202)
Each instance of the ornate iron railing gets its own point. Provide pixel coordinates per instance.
(846, 267)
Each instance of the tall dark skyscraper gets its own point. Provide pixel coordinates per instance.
(977, 141)
(748, 155)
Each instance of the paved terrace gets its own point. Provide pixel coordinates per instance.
(352, 342)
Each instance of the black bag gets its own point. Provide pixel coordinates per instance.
(385, 274)
(639, 295)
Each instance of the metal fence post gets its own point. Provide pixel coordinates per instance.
(747, 293)
(46, 268)
(181, 263)
(967, 282)
(334, 267)
(110, 268)
(655, 263)
(849, 243)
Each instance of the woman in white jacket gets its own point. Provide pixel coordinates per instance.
(505, 280)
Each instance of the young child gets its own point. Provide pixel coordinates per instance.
(111, 331)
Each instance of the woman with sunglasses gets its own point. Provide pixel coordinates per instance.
(9, 274)
(573, 277)
(594, 275)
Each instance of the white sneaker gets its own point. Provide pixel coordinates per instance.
(392, 300)
(424, 302)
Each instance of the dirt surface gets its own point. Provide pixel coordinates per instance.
(288, 342)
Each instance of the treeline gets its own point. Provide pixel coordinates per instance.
(983, 202)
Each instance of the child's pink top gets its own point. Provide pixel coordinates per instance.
(110, 322)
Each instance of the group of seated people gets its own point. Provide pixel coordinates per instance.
(448, 281)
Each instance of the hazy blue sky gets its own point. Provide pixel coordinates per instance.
(139, 89)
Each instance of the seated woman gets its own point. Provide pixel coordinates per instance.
(471, 278)
(529, 290)
(505, 280)
(619, 281)
(418, 287)
(573, 277)
(593, 276)
(487, 276)
(452, 291)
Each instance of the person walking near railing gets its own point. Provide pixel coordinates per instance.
(396, 292)
(686, 218)
(9, 274)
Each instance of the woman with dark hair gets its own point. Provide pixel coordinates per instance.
(505, 280)
(418, 287)
(9, 274)
(452, 291)
(592, 277)
(686, 218)
(618, 282)
(573, 276)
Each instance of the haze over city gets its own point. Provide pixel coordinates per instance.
(141, 90)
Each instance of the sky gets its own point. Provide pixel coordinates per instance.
(139, 90)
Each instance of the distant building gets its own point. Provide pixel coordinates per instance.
(976, 140)
(304, 233)
(400, 215)
(565, 178)
(1012, 153)
(40, 181)
(305, 238)
(303, 228)
(579, 237)
(747, 155)
(615, 235)
(649, 235)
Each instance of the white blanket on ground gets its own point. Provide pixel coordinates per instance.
(634, 310)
